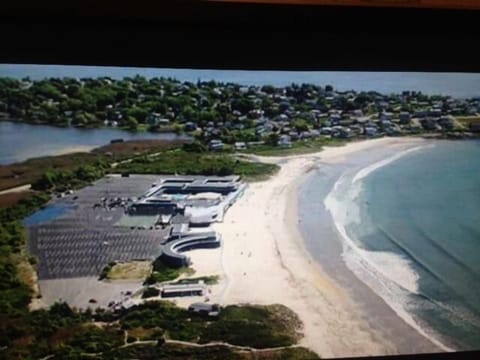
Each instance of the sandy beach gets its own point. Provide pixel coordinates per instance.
(74, 149)
(263, 260)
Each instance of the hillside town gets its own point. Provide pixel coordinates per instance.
(230, 116)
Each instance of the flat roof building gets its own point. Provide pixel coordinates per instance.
(183, 290)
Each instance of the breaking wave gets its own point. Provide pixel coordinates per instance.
(388, 274)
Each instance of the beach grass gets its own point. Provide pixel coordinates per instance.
(133, 270)
(255, 326)
(162, 272)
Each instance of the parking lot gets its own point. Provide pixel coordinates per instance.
(82, 241)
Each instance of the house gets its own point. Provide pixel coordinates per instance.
(447, 122)
(363, 119)
(334, 119)
(474, 127)
(429, 124)
(156, 119)
(386, 116)
(370, 131)
(152, 118)
(393, 130)
(357, 113)
(255, 143)
(293, 135)
(305, 135)
(420, 113)
(435, 112)
(386, 124)
(284, 141)
(344, 133)
(357, 129)
(326, 130)
(259, 130)
(404, 117)
(190, 126)
(183, 290)
(215, 145)
(240, 146)
(204, 309)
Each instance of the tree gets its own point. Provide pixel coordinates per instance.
(195, 147)
(300, 125)
(132, 123)
(272, 139)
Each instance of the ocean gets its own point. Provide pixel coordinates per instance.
(461, 85)
(409, 228)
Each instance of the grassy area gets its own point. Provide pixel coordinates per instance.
(217, 352)
(162, 272)
(130, 270)
(245, 325)
(140, 333)
(298, 147)
(256, 326)
(467, 120)
(192, 163)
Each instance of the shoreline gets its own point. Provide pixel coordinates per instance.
(265, 261)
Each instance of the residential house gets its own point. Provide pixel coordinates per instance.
(156, 119)
(404, 117)
(474, 127)
(435, 112)
(240, 146)
(420, 113)
(357, 113)
(326, 130)
(447, 122)
(204, 309)
(429, 124)
(370, 131)
(190, 126)
(293, 135)
(386, 116)
(357, 129)
(386, 123)
(284, 141)
(215, 145)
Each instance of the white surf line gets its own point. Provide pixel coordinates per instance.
(371, 168)
(370, 267)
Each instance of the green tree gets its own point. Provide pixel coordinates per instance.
(132, 123)
(272, 139)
